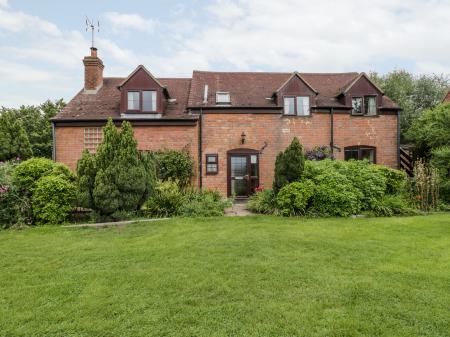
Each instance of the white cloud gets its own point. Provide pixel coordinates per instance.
(324, 35)
(3, 3)
(121, 22)
(14, 21)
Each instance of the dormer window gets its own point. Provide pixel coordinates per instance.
(142, 101)
(223, 98)
(296, 105)
(366, 105)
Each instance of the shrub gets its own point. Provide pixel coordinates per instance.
(30, 171)
(262, 202)
(426, 185)
(53, 199)
(294, 198)
(14, 207)
(335, 195)
(289, 165)
(166, 201)
(396, 180)
(117, 178)
(391, 205)
(319, 153)
(440, 158)
(203, 204)
(174, 165)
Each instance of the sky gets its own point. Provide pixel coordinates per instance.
(43, 42)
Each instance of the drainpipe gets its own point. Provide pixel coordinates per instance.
(53, 142)
(332, 130)
(200, 166)
(398, 139)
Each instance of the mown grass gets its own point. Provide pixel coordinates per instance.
(252, 276)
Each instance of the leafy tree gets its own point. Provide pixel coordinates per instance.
(117, 177)
(413, 94)
(289, 165)
(13, 138)
(431, 130)
(37, 125)
(175, 165)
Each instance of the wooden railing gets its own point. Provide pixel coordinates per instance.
(406, 162)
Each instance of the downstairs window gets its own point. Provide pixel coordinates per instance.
(360, 152)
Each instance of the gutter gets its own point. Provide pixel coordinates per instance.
(398, 139)
(332, 130)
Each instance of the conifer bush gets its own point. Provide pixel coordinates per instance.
(118, 178)
(289, 165)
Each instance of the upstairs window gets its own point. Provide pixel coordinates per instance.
(366, 105)
(144, 101)
(223, 98)
(360, 152)
(133, 100)
(149, 101)
(298, 105)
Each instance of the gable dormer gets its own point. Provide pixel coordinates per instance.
(142, 94)
(296, 95)
(364, 96)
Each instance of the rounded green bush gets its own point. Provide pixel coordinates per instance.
(293, 198)
(53, 199)
(166, 200)
(335, 195)
(175, 165)
(262, 202)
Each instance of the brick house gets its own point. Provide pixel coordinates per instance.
(232, 123)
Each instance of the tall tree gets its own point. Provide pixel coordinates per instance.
(13, 138)
(413, 94)
(37, 124)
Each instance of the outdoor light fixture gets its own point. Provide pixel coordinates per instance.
(243, 135)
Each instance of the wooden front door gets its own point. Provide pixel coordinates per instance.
(243, 174)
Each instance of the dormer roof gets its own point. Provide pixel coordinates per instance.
(139, 67)
(352, 83)
(296, 74)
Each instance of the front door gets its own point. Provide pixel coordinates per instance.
(243, 175)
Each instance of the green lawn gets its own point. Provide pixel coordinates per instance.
(254, 276)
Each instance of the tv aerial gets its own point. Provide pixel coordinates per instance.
(90, 24)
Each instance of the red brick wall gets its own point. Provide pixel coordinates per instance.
(70, 141)
(222, 132)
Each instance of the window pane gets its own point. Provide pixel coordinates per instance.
(303, 105)
(211, 159)
(133, 100)
(370, 105)
(211, 168)
(357, 105)
(368, 154)
(289, 106)
(351, 154)
(149, 100)
(223, 97)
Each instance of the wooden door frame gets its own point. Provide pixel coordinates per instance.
(247, 153)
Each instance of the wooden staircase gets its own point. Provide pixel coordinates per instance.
(406, 162)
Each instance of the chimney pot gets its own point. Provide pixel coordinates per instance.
(93, 52)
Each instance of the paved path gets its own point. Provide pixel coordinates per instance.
(239, 208)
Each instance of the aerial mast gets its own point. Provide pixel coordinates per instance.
(91, 25)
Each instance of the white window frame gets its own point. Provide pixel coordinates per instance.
(286, 109)
(305, 107)
(220, 95)
(138, 100)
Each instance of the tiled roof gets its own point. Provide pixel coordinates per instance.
(247, 89)
(106, 102)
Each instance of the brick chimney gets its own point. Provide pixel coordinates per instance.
(93, 72)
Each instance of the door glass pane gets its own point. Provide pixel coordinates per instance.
(239, 187)
(368, 154)
(238, 166)
(254, 165)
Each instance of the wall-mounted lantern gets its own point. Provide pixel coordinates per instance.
(243, 135)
